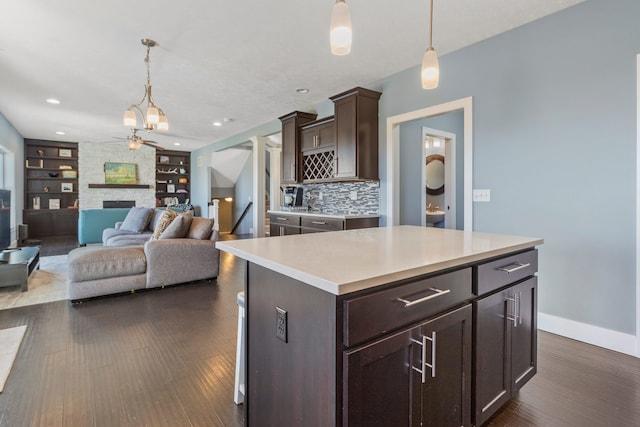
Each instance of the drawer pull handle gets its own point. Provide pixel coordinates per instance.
(282, 219)
(318, 222)
(423, 361)
(438, 293)
(514, 267)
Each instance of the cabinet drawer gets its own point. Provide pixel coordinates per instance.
(285, 219)
(377, 313)
(321, 223)
(496, 274)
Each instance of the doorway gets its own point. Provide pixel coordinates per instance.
(439, 178)
(392, 182)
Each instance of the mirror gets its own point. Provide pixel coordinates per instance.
(435, 174)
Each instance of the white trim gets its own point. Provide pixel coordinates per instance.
(637, 353)
(607, 338)
(393, 156)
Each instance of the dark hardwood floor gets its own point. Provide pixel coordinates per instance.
(166, 358)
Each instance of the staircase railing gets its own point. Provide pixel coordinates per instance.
(244, 213)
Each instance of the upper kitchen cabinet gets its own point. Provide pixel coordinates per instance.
(291, 146)
(356, 123)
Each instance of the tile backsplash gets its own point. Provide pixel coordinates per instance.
(336, 197)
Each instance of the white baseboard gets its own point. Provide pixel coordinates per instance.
(607, 338)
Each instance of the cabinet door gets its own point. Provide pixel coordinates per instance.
(524, 344)
(346, 134)
(446, 392)
(380, 386)
(326, 135)
(308, 138)
(282, 230)
(492, 353)
(419, 376)
(289, 152)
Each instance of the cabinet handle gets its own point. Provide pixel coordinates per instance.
(281, 231)
(514, 267)
(279, 218)
(519, 311)
(318, 222)
(423, 361)
(409, 303)
(513, 318)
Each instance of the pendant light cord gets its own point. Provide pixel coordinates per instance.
(430, 24)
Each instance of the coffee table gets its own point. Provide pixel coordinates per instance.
(16, 265)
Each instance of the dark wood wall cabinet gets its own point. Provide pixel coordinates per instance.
(342, 147)
(285, 224)
(173, 179)
(446, 349)
(50, 188)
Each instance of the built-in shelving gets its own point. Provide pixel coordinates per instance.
(173, 177)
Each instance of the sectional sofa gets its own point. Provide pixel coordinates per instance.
(129, 261)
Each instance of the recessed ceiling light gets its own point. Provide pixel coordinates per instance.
(60, 132)
(302, 90)
(53, 101)
(176, 143)
(217, 124)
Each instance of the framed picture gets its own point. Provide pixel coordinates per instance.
(69, 174)
(171, 188)
(54, 203)
(66, 187)
(64, 152)
(120, 173)
(163, 159)
(34, 164)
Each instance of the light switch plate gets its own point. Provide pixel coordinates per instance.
(481, 195)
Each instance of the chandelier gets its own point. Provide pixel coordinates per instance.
(154, 118)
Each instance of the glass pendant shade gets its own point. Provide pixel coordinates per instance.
(430, 69)
(129, 119)
(163, 123)
(153, 115)
(340, 29)
(134, 145)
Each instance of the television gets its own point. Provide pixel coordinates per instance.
(5, 219)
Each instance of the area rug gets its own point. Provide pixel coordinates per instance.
(45, 285)
(10, 340)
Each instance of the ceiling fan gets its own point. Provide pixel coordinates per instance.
(135, 142)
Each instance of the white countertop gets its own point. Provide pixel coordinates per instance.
(341, 262)
(324, 215)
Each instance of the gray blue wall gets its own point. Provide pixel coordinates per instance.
(13, 143)
(554, 106)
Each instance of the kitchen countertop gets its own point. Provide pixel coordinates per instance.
(324, 215)
(341, 262)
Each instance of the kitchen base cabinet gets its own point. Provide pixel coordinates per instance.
(420, 376)
(505, 342)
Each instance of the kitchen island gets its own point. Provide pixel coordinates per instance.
(387, 326)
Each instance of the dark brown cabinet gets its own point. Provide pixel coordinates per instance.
(281, 224)
(356, 115)
(420, 376)
(291, 147)
(173, 179)
(319, 135)
(505, 343)
(51, 188)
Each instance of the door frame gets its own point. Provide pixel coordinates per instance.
(393, 156)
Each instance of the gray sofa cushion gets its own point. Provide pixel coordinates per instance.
(137, 220)
(201, 228)
(95, 262)
(179, 227)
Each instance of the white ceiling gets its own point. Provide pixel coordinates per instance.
(238, 59)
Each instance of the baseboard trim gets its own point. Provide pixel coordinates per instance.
(606, 338)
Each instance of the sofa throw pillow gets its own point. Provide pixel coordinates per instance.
(200, 228)
(178, 227)
(155, 218)
(137, 220)
(165, 220)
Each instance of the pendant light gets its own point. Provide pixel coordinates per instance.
(340, 29)
(153, 117)
(430, 67)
